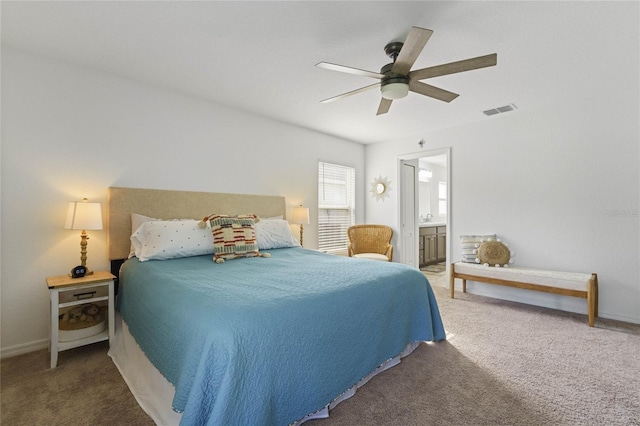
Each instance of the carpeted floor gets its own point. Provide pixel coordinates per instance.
(503, 364)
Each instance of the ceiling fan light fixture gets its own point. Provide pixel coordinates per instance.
(395, 90)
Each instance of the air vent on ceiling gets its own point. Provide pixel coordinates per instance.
(500, 110)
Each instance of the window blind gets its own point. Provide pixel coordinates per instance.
(336, 206)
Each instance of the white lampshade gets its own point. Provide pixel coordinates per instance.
(300, 215)
(394, 90)
(83, 215)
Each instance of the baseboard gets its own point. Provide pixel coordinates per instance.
(544, 300)
(623, 318)
(24, 348)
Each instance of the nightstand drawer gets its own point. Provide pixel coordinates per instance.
(85, 293)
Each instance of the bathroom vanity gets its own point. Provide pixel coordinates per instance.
(433, 243)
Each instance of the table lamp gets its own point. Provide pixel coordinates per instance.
(85, 216)
(300, 217)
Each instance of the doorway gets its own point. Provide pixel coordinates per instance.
(425, 212)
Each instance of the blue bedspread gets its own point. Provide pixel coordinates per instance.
(269, 340)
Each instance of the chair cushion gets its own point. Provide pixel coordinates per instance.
(374, 256)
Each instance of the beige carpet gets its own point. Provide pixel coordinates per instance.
(503, 364)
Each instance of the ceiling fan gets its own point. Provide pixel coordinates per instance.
(397, 79)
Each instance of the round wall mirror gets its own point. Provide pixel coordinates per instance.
(380, 188)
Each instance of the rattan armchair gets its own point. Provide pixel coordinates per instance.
(370, 241)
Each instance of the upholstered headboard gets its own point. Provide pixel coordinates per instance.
(166, 204)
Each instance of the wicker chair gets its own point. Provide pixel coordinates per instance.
(371, 242)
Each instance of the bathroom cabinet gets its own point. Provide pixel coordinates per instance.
(433, 244)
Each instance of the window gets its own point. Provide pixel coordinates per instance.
(336, 206)
(442, 198)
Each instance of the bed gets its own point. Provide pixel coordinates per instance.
(275, 340)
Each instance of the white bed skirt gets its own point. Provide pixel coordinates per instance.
(155, 394)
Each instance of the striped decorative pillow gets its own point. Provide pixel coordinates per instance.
(233, 236)
(468, 243)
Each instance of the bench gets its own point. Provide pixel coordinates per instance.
(563, 283)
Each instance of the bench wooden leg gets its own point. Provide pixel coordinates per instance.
(452, 282)
(592, 299)
(464, 285)
(595, 286)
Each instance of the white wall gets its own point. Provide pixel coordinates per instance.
(561, 185)
(70, 132)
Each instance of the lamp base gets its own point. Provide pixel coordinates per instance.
(301, 232)
(83, 259)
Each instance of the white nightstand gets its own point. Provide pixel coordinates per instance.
(68, 292)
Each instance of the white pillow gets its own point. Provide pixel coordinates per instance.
(170, 239)
(274, 233)
(136, 221)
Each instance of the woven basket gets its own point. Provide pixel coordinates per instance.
(81, 329)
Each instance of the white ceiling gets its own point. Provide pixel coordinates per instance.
(260, 56)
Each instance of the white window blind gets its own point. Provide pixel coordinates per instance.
(336, 206)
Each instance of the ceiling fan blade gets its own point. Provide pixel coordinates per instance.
(384, 106)
(413, 45)
(349, 70)
(353, 92)
(454, 67)
(431, 91)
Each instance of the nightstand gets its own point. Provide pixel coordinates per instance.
(67, 293)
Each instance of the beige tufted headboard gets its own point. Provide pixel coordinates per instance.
(167, 204)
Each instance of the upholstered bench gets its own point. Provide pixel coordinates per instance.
(563, 283)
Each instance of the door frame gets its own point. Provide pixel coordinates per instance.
(402, 202)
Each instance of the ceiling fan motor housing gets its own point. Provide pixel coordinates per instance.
(393, 86)
(391, 77)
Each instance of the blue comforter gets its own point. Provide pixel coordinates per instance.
(269, 340)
